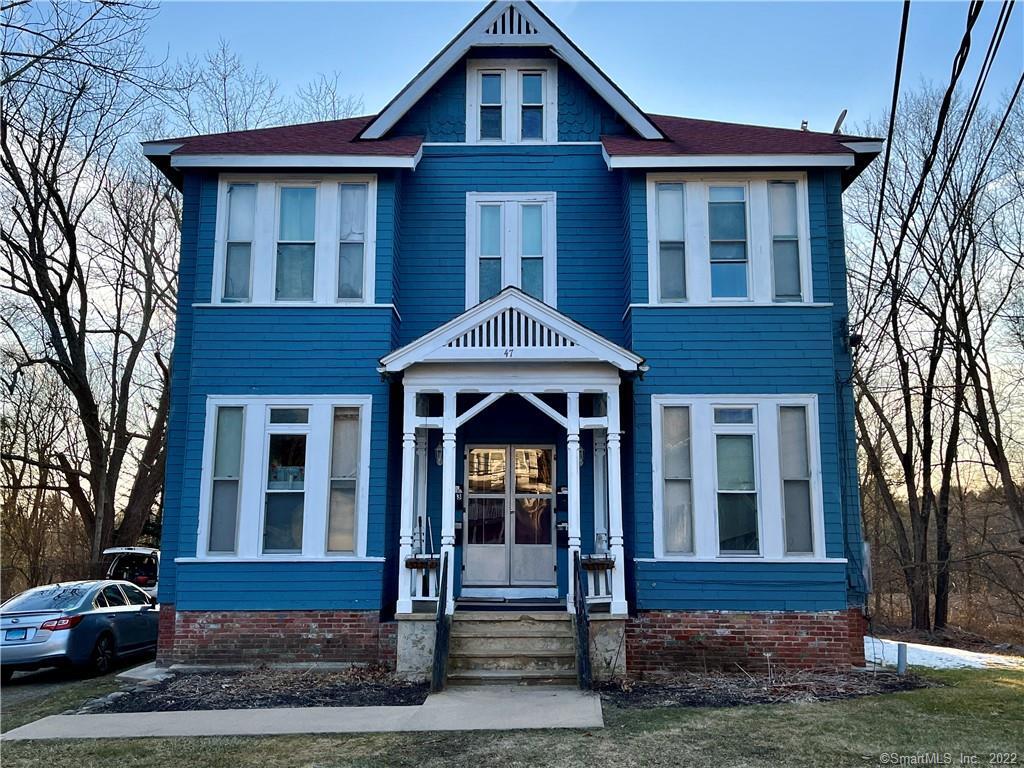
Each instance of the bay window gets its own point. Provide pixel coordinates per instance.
(728, 237)
(736, 478)
(510, 240)
(285, 478)
(307, 239)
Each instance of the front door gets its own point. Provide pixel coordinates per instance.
(509, 530)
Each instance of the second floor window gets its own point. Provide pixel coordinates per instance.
(728, 238)
(311, 240)
(510, 240)
(511, 101)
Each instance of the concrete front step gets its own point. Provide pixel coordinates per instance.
(510, 643)
(548, 661)
(510, 677)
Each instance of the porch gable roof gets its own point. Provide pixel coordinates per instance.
(512, 327)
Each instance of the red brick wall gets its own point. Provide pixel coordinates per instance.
(165, 636)
(240, 637)
(659, 642)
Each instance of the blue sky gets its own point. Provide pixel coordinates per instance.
(767, 63)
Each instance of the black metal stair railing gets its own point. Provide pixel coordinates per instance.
(442, 630)
(582, 621)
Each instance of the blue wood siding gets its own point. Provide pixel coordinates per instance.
(582, 114)
(433, 258)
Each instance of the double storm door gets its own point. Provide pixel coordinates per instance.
(509, 530)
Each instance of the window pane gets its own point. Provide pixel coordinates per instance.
(670, 212)
(727, 221)
(672, 271)
(486, 470)
(289, 415)
(345, 443)
(236, 272)
(533, 470)
(282, 530)
(227, 461)
(490, 278)
(533, 277)
(294, 280)
(729, 280)
(341, 526)
(728, 251)
(678, 517)
(734, 415)
(533, 230)
(490, 89)
(114, 597)
(786, 264)
(793, 442)
(350, 271)
(799, 536)
(353, 212)
(241, 211)
(783, 205)
(223, 516)
(735, 462)
(490, 122)
(675, 437)
(533, 521)
(737, 522)
(490, 230)
(726, 194)
(298, 213)
(533, 122)
(533, 88)
(286, 467)
(485, 519)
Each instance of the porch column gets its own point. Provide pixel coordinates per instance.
(405, 533)
(615, 548)
(448, 493)
(572, 439)
(600, 490)
(420, 507)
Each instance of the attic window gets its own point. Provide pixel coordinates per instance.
(511, 102)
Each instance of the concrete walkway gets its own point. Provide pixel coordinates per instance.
(456, 709)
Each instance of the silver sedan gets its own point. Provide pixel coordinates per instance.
(83, 624)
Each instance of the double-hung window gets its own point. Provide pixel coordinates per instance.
(795, 466)
(677, 515)
(736, 480)
(727, 236)
(671, 242)
(241, 203)
(285, 478)
(510, 240)
(782, 198)
(511, 101)
(304, 239)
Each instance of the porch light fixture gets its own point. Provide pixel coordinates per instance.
(439, 454)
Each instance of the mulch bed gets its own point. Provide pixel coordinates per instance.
(264, 687)
(731, 690)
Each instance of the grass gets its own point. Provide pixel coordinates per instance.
(972, 712)
(23, 704)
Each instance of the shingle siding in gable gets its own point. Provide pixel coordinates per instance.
(441, 114)
(582, 114)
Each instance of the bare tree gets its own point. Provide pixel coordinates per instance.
(322, 99)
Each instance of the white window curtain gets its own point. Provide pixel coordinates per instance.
(785, 242)
(341, 532)
(352, 240)
(296, 246)
(671, 242)
(227, 475)
(796, 479)
(678, 492)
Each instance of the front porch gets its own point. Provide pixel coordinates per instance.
(511, 461)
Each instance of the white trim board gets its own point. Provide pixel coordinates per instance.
(727, 161)
(296, 161)
(544, 34)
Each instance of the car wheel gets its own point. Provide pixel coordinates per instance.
(102, 659)
(6, 675)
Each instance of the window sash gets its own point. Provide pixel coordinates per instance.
(343, 483)
(677, 482)
(731, 491)
(353, 199)
(726, 263)
(222, 536)
(671, 200)
(795, 476)
(785, 234)
(239, 238)
(506, 253)
(492, 106)
(534, 107)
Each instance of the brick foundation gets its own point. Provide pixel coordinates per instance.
(243, 637)
(661, 642)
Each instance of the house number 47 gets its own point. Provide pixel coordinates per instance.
(508, 351)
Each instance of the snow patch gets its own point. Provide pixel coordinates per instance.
(883, 652)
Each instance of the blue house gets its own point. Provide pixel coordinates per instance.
(516, 351)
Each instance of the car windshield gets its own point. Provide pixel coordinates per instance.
(56, 597)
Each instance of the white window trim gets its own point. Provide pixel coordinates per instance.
(760, 275)
(771, 512)
(256, 430)
(510, 266)
(263, 258)
(511, 101)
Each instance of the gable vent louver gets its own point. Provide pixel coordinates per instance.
(511, 329)
(511, 22)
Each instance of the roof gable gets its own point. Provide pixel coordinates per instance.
(515, 23)
(512, 327)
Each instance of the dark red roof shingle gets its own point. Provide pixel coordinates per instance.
(688, 136)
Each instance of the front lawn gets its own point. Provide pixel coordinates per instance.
(971, 712)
